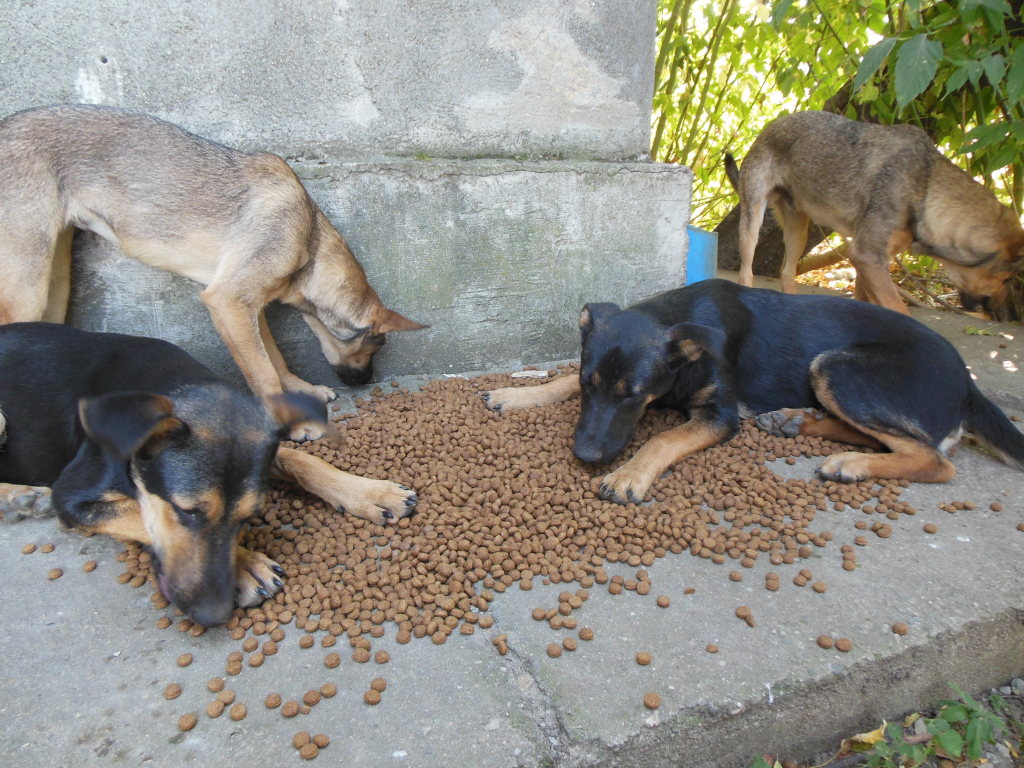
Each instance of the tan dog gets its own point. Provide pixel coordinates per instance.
(240, 224)
(887, 188)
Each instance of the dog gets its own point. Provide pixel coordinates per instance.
(888, 189)
(141, 442)
(241, 224)
(808, 365)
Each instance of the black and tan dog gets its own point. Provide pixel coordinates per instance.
(810, 365)
(241, 224)
(889, 190)
(141, 442)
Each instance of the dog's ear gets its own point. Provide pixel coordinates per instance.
(387, 321)
(593, 314)
(126, 424)
(687, 342)
(293, 408)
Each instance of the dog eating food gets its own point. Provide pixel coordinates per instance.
(240, 224)
(889, 189)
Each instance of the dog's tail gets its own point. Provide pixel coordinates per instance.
(732, 171)
(991, 426)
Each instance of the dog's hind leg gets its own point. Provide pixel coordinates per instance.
(856, 385)
(811, 422)
(26, 257)
(60, 278)
(871, 257)
(794, 232)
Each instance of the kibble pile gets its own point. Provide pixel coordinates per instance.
(502, 502)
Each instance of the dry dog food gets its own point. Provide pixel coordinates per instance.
(300, 739)
(89, 566)
(554, 650)
(215, 708)
(238, 712)
(54, 573)
(47, 548)
(309, 751)
(586, 633)
(643, 658)
(930, 528)
(331, 660)
(28, 549)
(711, 648)
(328, 690)
(188, 722)
(185, 659)
(652, 700)
(900, 628)
(273, 701)
(378, 684)
(290, 708)
(825, 641)
(372, 697)
(172, 691)
(844, 644)
(321, 740)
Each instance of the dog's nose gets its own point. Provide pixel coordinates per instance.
(591, 454)
(211, 615)
(354, 377)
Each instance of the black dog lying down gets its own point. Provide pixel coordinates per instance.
(142, 442)
(810, 365)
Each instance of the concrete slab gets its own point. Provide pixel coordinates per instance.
(83, 668)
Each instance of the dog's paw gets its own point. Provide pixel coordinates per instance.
(847, 467)
(786, 422)
(18, 502)
(625, 485)
(509, 398)
(310, 430)
(257, 577)
(379, 501)
(292, 383)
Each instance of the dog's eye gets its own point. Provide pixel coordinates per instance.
(191, 517)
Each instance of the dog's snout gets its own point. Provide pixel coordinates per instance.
(212, 614)
(354, 377)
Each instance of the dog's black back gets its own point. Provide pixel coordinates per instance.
(78, 364)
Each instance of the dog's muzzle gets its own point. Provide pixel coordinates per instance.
(354, 377)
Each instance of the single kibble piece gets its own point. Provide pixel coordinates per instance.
(825, 641)
(301, 739)
(819, 586)
(663, 601)
(331, 660)
(89, 566)
(309, 751)
(711, 648)
(46, 548)
(215, 685)
(844, 644)
(539, 614)
(372, 697)
(28, 549)
(743, 612)
(554, 650)
(652, 700)
(689, 590)
(238, 712)
(383, 657)
(185, 659)
(643, 658)
(273, 701)
(361, 655)
(215, 708)
(1020, 526)
(930, 528)
(306, 641)
(311, 698)
(569, 644)
(995, 506)
(172, 691)
(378, 684)
(900, 628)
(586, 633)
(226, 697)
(250, 644)
(735, 576)
(188, 722)
(328, 690)
(54, 573)
(256, 659)
(321, 740)
(290, 708)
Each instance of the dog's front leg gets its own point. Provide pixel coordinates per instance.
(375, 500)
(19, 501)
(237, 322)
(630, 482)
(289, 381)
(554, 391)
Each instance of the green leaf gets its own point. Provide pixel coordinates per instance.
(1015, 77)
(779, 12)
(952, 742)
(916, 63)
(956, 80)
(995, 68)
(937, 726)
(872, 61)
(954, 714)
(1000, 6)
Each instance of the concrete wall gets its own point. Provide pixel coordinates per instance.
(485, 160)
(451, 78)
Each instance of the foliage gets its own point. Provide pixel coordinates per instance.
(727, 67)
